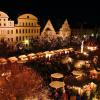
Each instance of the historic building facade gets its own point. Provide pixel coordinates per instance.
(27, 27)
(6, 27)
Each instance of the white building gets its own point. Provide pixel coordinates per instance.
(6, 27)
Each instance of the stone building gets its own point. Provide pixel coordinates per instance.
(27, 27)
(6, 27)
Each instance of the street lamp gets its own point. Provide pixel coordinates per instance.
(26, 42)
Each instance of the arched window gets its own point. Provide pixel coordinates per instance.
(32, 24)
(34, 30)
(11, 31)
(29, 24)
(23, 30)
(16, 30)
(23, 38)
(23, 24)
(16, 38)
(37, 31)
(8, 31)
(20, 38)
(26, 23)
(19, 30)
(29, 30)
(26, 30)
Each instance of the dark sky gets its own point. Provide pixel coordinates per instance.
(75, 11)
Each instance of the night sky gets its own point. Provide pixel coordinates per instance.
(77, 13)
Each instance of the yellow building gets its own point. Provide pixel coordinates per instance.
(27, 27)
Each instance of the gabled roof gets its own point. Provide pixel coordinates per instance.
(65, 25)
(48, 26)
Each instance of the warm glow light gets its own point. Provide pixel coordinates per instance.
(85, 53)
(26, 41)
(92, 48)
(48, 55)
